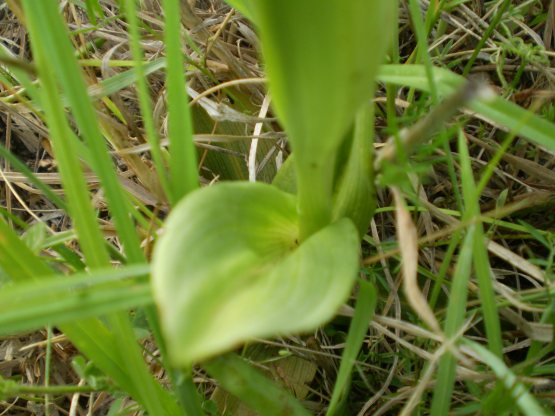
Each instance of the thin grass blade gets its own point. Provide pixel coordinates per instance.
(183, 161)
(455, 317)
(144, 96)
(62, 62)
(497, 109)
(364, 311)
(90, 336)
(471, 196)
(526, 402)
(245, 7)
(83, 215)
(58, 300)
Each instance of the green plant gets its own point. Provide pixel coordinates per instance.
(256, 255)
(236, 261)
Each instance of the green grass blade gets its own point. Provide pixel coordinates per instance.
(94, 10)
(62, 62)
(487, 34)
(244, 6)
(486, 292)
(527, 404)
(124, 79)
(255, 390)
(10, 216)
(420, 30)
(91, 336)
(183, 161)
(186, 392)
(57, 300)
(14, 260)
(121, 348)
(311, 85)
(473, 241)
(17, 76)
(471, 196)
(497, 109)
(184, 176)
(22, 168)
(455, 318)
(364, 311)
(81, 210)
(143, 94)
(96, 342)
(154, 398)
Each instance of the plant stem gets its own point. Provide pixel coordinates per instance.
(11, 389)
(47, 363)
(314, 191)
(186, 392)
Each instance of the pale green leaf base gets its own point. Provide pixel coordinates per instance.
(228, 269)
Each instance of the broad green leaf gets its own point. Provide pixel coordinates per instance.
(229, 268)
(321, 59)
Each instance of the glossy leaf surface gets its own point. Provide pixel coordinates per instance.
(228, 269)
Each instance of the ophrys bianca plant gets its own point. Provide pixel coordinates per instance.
(239, 261)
